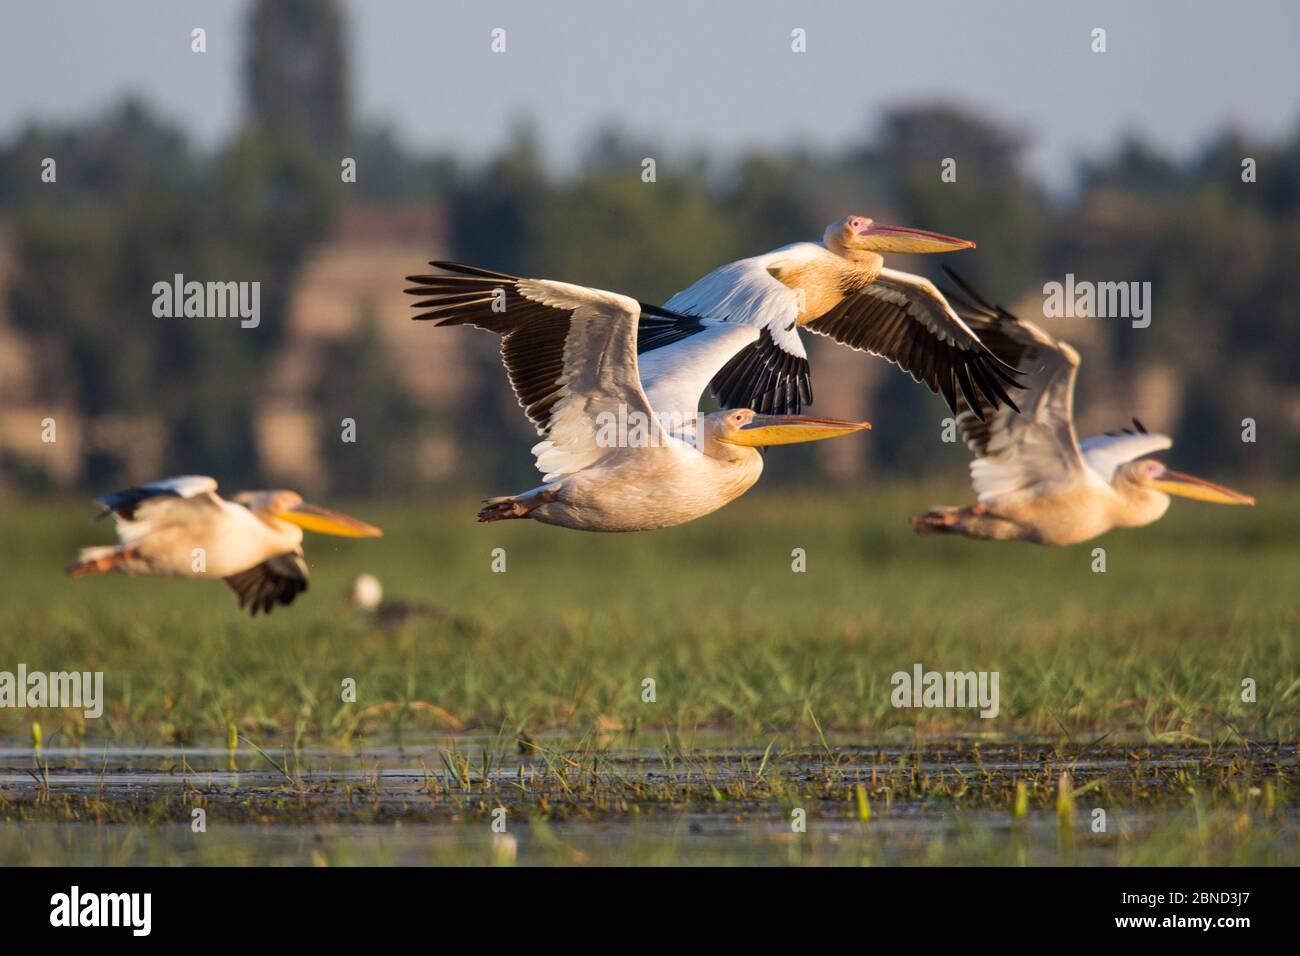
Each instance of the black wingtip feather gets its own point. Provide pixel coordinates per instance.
(968, 390)
(949, 391)
(965, 286)
(463, 269)
(988, 382)
(764, 377)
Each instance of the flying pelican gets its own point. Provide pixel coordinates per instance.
(838, 287)
(623, 445)
(1034, 479)
(181, 527)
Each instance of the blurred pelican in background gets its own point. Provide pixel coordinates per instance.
(181, 527)
(1035, 480)
(623, 447)
(838, 287)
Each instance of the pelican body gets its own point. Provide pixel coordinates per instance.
(1035, 480)
(571, 356)
(841, 288)
(640, 489)
(181, 527)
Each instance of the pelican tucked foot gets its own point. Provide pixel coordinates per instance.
(515, 506)
(100, 560)
(503, 509)
(973, 521)
(937, 521)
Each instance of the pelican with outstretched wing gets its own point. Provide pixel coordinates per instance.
(623, 446)
(840, 288)
(181, 527)
(1035, 480)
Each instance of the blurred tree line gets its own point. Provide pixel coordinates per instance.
(135, 203)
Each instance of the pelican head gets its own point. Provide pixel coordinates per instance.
(747, 428)
(863, 234)
(289, 506)
(1151, 475)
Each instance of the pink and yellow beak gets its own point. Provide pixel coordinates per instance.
(324, 521)
(1188, 486)
(882, 238)
(767, 430)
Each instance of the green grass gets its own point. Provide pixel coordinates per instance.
(1154, 648)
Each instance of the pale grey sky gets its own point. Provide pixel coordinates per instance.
(711, 75)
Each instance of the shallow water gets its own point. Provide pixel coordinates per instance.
(469, 800)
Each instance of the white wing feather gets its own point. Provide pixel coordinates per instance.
(746, 293)
(923, 302)
(179, 500)
(1037, 449)
(1104, 453)
(605, 381)
(1037, 446)
(185, 486)
(676, 375)
(600, 376)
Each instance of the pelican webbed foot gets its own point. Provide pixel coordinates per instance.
(503, 510)
(936, 521)
(514, 506)
(99, 561)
